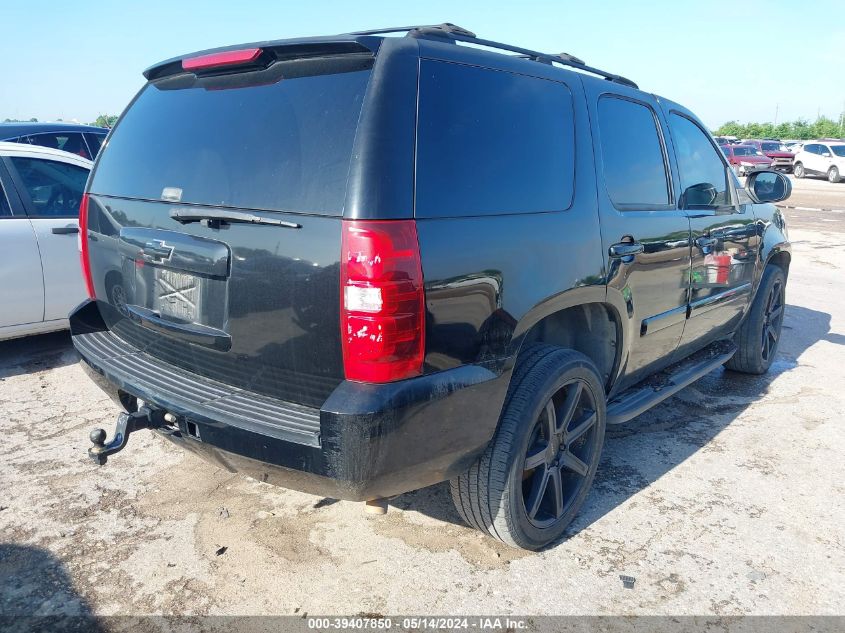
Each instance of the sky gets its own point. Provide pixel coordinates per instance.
(756, 60)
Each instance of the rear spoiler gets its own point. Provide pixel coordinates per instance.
(276, 51)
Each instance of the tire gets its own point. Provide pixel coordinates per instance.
(798, 170)
(833, 174)
(758, 337)
(527, 500)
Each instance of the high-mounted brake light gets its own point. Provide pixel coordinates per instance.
(217, 60)
(382, 300)
(83, 247)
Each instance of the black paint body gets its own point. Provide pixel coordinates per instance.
(270, 296)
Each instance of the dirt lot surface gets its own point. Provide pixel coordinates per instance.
(727, 499)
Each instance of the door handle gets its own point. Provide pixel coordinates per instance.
(706, 244)
(625, 251)
(64, 230)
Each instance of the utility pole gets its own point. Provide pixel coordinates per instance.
(842, 121)
(777, 107)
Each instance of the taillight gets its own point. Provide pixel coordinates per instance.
(226, 58)
(382, 300)
(83, 247)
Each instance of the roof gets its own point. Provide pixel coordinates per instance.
(370, 41)
(14, 130)
(25, 149)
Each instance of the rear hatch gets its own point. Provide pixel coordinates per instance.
(214, 221)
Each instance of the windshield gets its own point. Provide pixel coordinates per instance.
(278, 139)
(774, 147)
(839, 150)
(747, 151)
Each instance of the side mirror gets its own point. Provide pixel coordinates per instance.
(768, 186)
(699, 195)
(826, 154)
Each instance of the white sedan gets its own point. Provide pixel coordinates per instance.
(40, 276)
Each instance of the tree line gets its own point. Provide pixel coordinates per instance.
(800, 129)
(104, 120)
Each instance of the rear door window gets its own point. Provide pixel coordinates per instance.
(278, 139)
(634, 162)
(54, 188)
(492, 142)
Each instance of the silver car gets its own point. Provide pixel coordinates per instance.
(40, 279)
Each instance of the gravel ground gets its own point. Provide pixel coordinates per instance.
(726, 499)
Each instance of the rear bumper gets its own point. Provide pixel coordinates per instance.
(365, 442)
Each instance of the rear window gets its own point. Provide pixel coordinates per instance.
(95, 141)
(279, 139)
(492, 142)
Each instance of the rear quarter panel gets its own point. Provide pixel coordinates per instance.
(488, 279)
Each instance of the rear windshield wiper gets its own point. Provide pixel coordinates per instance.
(217, 216)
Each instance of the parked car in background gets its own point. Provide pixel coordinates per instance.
(793, 146)
(300, 302)
(821, 159)
(745, 159)
(776, 151)
(82, 140)
(40, 279)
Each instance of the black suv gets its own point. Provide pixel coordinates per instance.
(359, 265)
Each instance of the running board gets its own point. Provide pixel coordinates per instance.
(643, 396)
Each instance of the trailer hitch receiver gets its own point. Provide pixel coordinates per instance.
(143, 418)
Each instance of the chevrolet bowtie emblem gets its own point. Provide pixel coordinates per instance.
(157, 250)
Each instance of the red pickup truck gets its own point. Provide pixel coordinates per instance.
(781, 158)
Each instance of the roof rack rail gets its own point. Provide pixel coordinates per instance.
(454, 33)
(564, 59)
(445, 28)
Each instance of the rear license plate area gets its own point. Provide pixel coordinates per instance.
(178, 295)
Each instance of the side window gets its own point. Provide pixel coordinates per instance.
(812, 148)
(824, 149)
(95, 141)
(54, 188)
(492, 142)
(5, 210)
(632, 154)
(66, 141)
(725, 150)
(699, 163)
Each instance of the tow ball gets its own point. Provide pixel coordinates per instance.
(143, 418)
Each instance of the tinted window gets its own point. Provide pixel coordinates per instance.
(839, 150)
(278, 139)
(492, 142)
(725, 150)
(772, 147)
(632, 154)
(95, 141)
(67, 142)
(812, 148)
(698, 160)
(54, 188)
(746, 151)
(4, 204)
